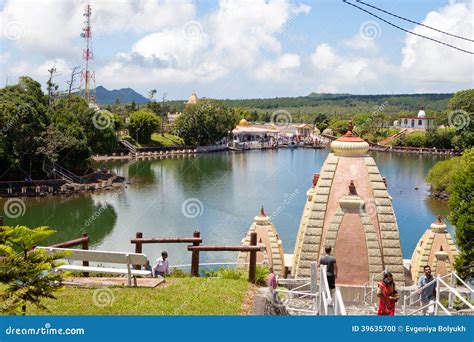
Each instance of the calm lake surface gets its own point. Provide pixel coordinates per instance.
(219, 194)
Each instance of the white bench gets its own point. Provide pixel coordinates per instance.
(129, 259)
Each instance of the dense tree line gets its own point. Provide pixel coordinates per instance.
(37, 129)
(304, 108)
(455, 177)
(206, 122)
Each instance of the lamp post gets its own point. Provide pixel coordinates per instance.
(137, 134)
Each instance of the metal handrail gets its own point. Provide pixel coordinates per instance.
(339, 306)
(457, 294)
(463, 282)
(438, 280)
(427, 305)
(305, 294)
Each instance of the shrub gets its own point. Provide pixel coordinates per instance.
(440, 176)
(179, 273)
(261, 275)
(142, 124)
(231, 273)
(27, 272)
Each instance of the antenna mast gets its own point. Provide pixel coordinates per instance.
(88, 74)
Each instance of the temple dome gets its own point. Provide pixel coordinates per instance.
(193, 99)
(421, 113)
(349, 144)
(349, 209)
(435, 248)
(267, 237)
(243, 122)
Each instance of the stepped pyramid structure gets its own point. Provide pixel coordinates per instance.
(349, 209)
(267, 236)
(436, 249)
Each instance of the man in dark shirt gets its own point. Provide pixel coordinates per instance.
(331, 270)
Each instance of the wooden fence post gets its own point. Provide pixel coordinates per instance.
(138, 248)
(253, 259)
(195, 257)
(85, 245)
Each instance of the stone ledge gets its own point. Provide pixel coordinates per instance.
(329, 167)
(369, 161)
(317, 215)
(320, 198)
(378, 185)
(387, 226)
(394, 243)
(373, 170)
(371, 244)
(374, 253)
(396, 252)
(381, 194)
(375, 177)
(385, 210)
(319, 207)
(386, 218)
(393, 235)
(383, 202)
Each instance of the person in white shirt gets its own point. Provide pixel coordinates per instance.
(161, 267)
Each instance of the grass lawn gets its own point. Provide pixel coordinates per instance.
(178, 296)
(166, 140)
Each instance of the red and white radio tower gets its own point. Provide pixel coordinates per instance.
(88, 74)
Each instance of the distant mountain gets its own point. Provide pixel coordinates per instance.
(125, 95)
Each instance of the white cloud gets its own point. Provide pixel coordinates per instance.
(335, 72)
(324, 57)
(237, 35)
(274, 70)
(39, 71)
(52, 27)
(427, 61)
(358, 42)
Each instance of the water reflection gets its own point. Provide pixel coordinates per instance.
(231, 188)
(69, 216)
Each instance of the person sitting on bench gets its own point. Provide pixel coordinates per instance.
(161, 267)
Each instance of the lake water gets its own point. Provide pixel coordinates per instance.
(219, 194)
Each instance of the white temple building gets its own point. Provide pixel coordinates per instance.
(419, 122)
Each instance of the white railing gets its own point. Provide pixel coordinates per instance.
(323, 303)
(437, 303)
(324, 291)
(370, 289)
(339, 307)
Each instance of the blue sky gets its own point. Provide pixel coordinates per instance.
(241, 49)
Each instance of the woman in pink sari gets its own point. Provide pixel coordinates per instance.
(388, 295)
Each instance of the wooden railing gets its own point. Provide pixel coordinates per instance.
(196, 248)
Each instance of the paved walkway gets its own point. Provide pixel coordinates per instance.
(115, 281)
